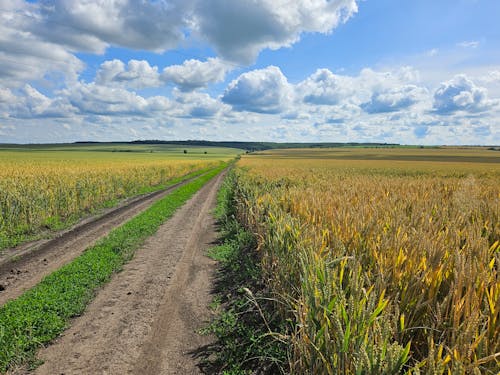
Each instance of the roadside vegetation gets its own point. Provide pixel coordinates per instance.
(42, 313)
(382, 262)
(250, 335)
(50, 188)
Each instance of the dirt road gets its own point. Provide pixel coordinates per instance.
(24, 267)
(145, 320)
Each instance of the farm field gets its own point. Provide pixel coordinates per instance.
(42, 313)
(385, 261)
(49, 187)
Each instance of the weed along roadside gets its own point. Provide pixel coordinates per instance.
(251, 337)
(42, 313)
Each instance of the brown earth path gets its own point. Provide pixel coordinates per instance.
(23, 267)
(146, 319)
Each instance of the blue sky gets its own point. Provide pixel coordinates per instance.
(410, 72)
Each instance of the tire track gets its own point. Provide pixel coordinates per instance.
(23, 267)
(144, 321)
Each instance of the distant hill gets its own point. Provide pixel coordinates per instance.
(259, 146)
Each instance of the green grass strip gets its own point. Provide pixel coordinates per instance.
(42, 313)
(173, 181)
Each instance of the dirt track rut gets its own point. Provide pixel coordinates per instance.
(145, 320)
(24, 267)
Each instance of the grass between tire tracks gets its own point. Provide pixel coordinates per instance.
(250, 337)
(42, 313)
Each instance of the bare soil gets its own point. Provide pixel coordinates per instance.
(23, 267)
(147, 318)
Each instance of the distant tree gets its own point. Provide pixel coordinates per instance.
(205, 152)
(185, 151)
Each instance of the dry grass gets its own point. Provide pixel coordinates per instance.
(386, 264)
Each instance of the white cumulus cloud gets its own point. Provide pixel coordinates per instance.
(28, 102)
(469, 44)
(460, 94)
(195, 74)
(394, 99)
(93, 25)
(373, 91)
(137, 74)
(262, 91)
(24, 55)
(325, 88)
(239, 30)
(94, 99)
(199, 105)
(37, 38)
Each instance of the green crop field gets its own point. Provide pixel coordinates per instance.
(119, 151)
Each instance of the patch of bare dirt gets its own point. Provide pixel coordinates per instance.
(146, 319)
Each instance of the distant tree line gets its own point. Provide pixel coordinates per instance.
(259, 146)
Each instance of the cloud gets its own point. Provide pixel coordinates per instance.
(103, 100)
(460, 94)
(239, 30)
(375, 92)
(469, 44)
(43, 37)
(195, 74)
(335, 120)
(6, 96)
(35, 103)
(24, 55)
(483, 131)
(31, 103)
(91, 26)
(199, 105)
(137, 74)
(394, 99)
(7, 101)
(82, 99)
(261, 91)
(109, 104)
(325, 88)
(370, 81)
(189, 76)
(296, 115)
(492, 77)
(160, 104)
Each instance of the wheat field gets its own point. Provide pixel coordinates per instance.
(385, 261)
(52, 187)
